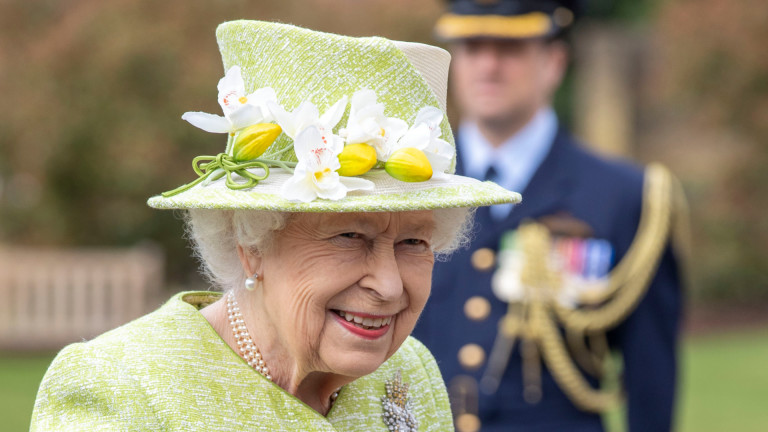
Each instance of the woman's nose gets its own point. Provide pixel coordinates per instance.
(383, 276)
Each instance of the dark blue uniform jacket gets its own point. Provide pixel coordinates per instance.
(607, 195)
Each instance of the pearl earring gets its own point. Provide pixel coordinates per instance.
(250, 282)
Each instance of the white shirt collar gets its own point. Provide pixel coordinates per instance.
(517, 159)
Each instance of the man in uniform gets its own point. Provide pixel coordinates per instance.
(524, 321)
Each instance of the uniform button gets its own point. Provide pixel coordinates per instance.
(483, 259)
(563, 17)
(471, 356)
(477, 308)
(467, 423)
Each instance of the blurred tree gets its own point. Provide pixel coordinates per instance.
(714, 85)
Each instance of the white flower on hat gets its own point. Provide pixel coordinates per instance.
(315, 174)
(240, 110)
(306, 115)
(425, 136)
(368, 124)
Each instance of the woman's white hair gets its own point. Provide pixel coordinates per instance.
(215, 235)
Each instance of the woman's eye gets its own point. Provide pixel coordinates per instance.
(413, 246)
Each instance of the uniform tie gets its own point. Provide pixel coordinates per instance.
(491, 174)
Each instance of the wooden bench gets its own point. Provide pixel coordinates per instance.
(52, 297)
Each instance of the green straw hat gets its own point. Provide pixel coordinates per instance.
(317, 122)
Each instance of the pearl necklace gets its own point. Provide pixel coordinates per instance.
(248, 350)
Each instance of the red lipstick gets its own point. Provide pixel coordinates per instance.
(371, 334)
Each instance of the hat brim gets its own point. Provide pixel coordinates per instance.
(388, 195)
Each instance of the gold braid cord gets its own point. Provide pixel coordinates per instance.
(663, 215)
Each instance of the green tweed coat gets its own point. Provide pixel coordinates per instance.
(171, 371)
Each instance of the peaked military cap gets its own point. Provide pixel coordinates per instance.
(507, 19)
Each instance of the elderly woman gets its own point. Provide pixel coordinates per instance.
(320, 221)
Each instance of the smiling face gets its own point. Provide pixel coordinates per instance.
(341, 292)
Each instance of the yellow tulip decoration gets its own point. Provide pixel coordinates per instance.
(409, 165)
(253, 141)
(356, 159)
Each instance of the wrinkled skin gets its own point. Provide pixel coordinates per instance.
(367, 263)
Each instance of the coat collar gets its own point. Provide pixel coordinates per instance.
(552, 181)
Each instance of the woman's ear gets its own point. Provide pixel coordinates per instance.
(250, 260)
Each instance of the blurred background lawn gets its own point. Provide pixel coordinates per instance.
(92, 94)
(724, 384)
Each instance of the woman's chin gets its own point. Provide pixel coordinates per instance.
(355, 364)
